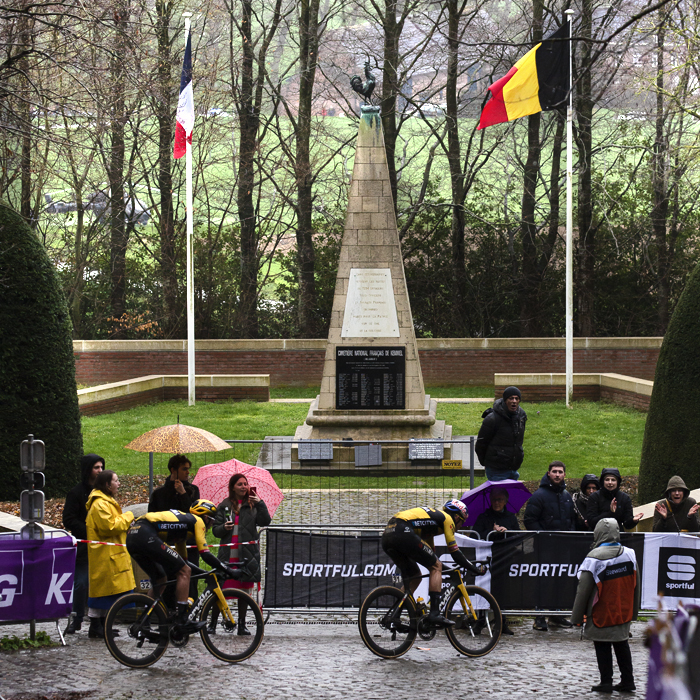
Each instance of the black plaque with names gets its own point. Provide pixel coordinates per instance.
(370, 377)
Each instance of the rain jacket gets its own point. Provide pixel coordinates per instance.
(499, 444)
(599, 504)
(110, 567)
(249, 519)
(608, 587)
(75, 507)
(581, 501)
(677, 519)
(550, 508)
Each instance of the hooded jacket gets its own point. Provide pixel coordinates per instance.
(599, 503)
(608, 588)
(677, 519)
(580, 499)
(110, 567)
(499, 444)
(550, 508)
(75, 507)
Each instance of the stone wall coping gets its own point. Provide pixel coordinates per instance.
(104, 392)
(320, 344)
(613, 381)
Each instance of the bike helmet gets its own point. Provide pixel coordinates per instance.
(202, 507)
(455, 507)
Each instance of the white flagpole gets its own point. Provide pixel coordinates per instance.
(569, 229)
(190, 255)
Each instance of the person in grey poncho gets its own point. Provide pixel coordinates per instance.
(608, 595)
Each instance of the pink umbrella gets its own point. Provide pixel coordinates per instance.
(213, 479)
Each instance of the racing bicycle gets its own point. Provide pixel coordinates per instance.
(390, 619)
(139, 628)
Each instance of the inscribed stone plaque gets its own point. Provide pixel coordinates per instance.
(315, 450)
(370, 307)
(368, 377)
(425, 450)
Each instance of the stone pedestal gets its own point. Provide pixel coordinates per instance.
(372, 313)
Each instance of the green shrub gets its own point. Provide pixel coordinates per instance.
(37, 370)
(671, 438)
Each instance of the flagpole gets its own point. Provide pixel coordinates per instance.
(190, 256)
(569, 227)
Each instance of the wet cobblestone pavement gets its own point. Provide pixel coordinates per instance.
(316, 661)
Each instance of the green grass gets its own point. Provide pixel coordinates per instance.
(586, 438)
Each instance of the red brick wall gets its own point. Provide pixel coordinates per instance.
(625, 398)
(536, 394)
(305, 367)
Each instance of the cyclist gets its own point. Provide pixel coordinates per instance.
(408, 541)
(149, 540)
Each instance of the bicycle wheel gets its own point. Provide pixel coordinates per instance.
(387, 631)
(225, 640)
(142, 638)
(469, 636)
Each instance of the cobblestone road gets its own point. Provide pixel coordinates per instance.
(317, 661)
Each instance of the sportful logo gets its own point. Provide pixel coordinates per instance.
(543, 570)
(340, 570)
(678, 571)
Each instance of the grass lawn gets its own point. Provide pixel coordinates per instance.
(586, 438)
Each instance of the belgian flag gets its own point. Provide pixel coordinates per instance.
(539, 81)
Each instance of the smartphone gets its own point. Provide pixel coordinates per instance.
(253, 491)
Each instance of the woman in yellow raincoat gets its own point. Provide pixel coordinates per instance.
(111, 574)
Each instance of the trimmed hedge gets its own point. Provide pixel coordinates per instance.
(37, 370)
(671, 437)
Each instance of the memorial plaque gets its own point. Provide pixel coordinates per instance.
(370, 307)
(315, 450)
(425, 450)
(370, 378)
(368, 456)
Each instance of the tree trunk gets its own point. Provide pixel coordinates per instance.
(585, 286)
(529, 296)
(308, 56)
(119, 234)
(172, 325)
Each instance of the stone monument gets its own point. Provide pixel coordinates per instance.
(372, 387)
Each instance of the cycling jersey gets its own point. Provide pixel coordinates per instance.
(427, 522)
(174, 527)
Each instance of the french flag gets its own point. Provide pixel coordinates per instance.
(185, 105)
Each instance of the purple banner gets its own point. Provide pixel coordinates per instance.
(36, 578)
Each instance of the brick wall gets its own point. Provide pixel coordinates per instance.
(443, 361)
(535, 394)
(625, 398)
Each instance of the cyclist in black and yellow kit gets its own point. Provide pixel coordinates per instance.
(408, 538)
(149, 540)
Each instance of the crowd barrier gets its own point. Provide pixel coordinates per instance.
(320, 568)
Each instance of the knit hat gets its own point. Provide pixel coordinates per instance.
(511, 391)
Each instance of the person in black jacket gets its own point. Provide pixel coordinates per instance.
(551, 508)
(177, 493)
(499, 444)
(610, 502)
(74, 517)
(589, 485)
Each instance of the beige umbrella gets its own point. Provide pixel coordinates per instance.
(175, 439)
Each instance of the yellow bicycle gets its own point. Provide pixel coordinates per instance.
(390, 619)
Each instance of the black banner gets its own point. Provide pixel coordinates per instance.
(539, 570)
(323, 571)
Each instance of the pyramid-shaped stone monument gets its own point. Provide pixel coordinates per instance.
(372, 387)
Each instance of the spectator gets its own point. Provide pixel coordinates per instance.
(177, 493)
(74, 517)
(610, 502)
(608, 595)
(499, 445)
(677, 512)
(111, 574)
(551, 508)
(497, 518)
(589, 485)
(238, 518)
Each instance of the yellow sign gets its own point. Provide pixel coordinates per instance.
(451, 463)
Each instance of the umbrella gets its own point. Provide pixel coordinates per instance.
(478, 500)
(177, 439)
(213, 479)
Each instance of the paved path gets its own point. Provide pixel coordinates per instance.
(318, 662)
